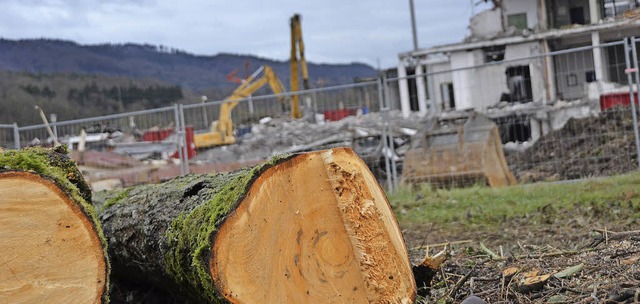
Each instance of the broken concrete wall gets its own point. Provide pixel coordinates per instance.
(559, 116)
(486, 24)
(481, 86)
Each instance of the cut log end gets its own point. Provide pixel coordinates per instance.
(315, 228)
(50, 251)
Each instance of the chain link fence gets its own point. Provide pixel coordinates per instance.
(559, 116)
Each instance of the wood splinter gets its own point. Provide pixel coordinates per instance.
(427, 269)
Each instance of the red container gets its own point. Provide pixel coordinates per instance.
(611, 100)
(158, 135)
(161, 135)
(335, 115)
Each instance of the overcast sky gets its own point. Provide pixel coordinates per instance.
(334, 31)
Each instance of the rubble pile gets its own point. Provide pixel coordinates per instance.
(283, 135)
(596, 146)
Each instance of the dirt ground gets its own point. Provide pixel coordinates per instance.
(605, 260)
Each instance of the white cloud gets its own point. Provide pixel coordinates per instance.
(334, 31)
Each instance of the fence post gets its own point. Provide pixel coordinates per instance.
(183, 141)
(394, 164)
(632, 97)
(16, 136)
(176, 111)
(54, 123)
(382, 82)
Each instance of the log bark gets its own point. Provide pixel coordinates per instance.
(308, 228)
(51, 245)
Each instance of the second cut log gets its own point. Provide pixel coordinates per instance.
(308, 228)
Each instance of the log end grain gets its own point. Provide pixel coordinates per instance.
(316, 228)
(52, 246)
(50, 250)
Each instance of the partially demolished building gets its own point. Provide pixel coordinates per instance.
(525, 59)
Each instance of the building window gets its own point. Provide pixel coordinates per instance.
(519, 21)
(494, 53)
(577, 15)
(519, 83)
(614, 8)
(568, 12)
(572, 80)
(448, 96)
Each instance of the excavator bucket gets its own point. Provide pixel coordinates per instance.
(457, 155)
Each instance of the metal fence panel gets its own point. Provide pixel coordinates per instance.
(126, 149)
(330, 103)
(7, 136)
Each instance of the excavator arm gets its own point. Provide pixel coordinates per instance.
(222, 130)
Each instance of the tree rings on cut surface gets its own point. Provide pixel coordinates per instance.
(316, 228)
(50, 251)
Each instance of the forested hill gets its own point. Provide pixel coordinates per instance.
(193, 72)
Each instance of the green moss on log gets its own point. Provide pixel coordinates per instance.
(191, 234)
(55, 165)
(113, 200)
(163, 233)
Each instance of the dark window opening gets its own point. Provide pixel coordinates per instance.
(616, 64)
(519, 84)
(448, 97)
(494, 53)
(576, 15)
(567, 12)
(590, 76)
(514, 128)
(413, 90)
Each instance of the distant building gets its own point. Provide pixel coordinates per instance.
(516, 29)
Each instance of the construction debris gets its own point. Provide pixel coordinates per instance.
(596, 146)
(283, 135)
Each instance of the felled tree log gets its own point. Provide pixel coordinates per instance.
(308, 228)
(51, 246)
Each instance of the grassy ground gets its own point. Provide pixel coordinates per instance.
(608, 198)
(545, 227)
(555, 214)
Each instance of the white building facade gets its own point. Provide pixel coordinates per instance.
(503, 60)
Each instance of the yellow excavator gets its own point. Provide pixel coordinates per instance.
(297, 64)
(221, 132)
